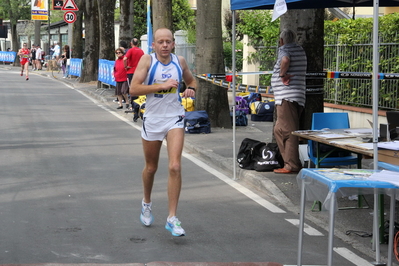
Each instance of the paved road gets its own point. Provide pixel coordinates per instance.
(70, 192)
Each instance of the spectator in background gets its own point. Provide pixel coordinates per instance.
(66, 56)
(38, 61)
(289, 86)
(123, 45)
(132, 58)
(56, 53)
(33, 57)
(51, 51)
(131, 61)
(122, 87)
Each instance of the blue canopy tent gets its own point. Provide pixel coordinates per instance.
(309, 4)
(306, 4)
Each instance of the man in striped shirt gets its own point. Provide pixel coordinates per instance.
(289, 86)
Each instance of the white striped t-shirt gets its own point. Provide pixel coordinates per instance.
(296, 90)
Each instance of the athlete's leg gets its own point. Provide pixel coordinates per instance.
(151, 154)
(175, 142)
(27, 70)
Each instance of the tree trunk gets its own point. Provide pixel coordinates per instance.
(92, 41)
(38, 24)
(15, 43)
(126, 21)
(106, 10)
(209, 59)
(13, 27)
(162, 14)
(309, 27)
(77, 31)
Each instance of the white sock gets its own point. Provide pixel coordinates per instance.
(146, 204)
(171, 218)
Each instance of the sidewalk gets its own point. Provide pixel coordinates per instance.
(217, 150)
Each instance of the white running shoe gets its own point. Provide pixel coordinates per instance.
(173, 225)
(146, 216)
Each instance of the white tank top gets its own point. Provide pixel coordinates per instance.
(164, 103)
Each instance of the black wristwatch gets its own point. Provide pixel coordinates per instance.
(282, 76)
(191, 88)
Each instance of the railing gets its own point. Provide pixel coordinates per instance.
(358, 58)
(188, 52)
(339, 57)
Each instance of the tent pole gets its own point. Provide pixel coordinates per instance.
(376, 234)
(233, 99)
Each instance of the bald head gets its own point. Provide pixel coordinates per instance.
(164, 32)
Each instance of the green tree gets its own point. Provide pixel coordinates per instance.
(126, 16)
(209, 59)
(184, 18)
(77, 29)
(92, 41)
(106, 11)
(161, 14)
(15, 10)
(139, 18)
(309, 27)
(263, 35)
(56, 15)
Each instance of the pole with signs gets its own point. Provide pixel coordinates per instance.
(58, 4)
(70, 5)
(39, 10)
(69, 17)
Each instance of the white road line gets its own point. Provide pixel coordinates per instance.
(264, 203)
(352, 257)
(307, 229)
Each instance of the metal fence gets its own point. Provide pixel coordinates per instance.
(188, 52)
(341, 57)
(358, 58)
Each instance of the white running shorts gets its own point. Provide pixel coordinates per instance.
(156, 128)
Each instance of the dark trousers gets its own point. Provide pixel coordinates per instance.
(288, 114)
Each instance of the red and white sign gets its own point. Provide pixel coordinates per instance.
(70, 5)
(69, 17)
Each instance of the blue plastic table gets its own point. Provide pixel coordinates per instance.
(325, 185)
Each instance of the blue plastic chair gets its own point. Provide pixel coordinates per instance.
(331, 121)
(388, 166)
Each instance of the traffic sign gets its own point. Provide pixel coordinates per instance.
(70, 5)
(69, 17)
(57, 4)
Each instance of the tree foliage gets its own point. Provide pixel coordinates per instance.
(19, 9)
(209, 59)
(258, 26)
(183, 18)
(345, 32)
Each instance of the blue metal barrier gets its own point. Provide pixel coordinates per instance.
(106, 72)
(75, 67)
(7, 56)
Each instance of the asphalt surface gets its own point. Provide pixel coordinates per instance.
(352, 226)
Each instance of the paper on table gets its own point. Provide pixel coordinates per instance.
(353, 142)
(359, 131)
(334, 136)
(390, 145)
(386, 176)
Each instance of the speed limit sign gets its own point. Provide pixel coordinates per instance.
(69, 17)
